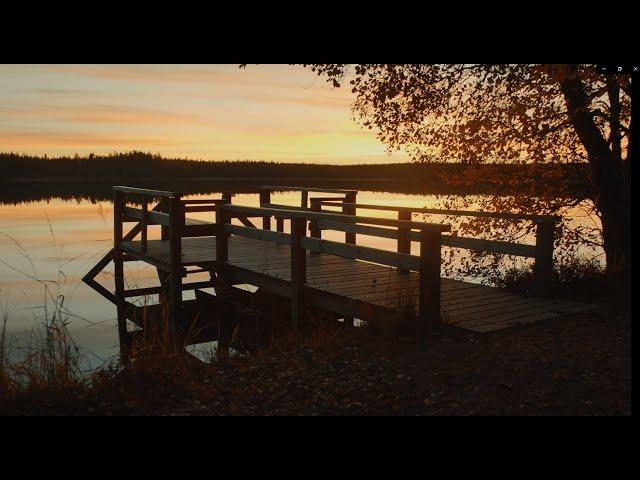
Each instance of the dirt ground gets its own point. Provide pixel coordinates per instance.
(578, 365)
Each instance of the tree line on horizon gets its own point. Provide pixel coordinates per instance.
(138, 165)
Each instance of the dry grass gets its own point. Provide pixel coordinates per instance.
(577, 278)
(46, 356)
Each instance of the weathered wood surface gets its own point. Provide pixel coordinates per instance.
(285, 188)
(355, 283)
(235, 210)
(442, 211)
(143, 191)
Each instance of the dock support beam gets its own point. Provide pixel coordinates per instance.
(404, 239)
(118, 265)
(265, 199)
(314, 227)
(222, 257)
(543, 268)
(298, 270)
(429, 307)
(163, 206)
(348, 236)
(222, 240)
(349, 210)
(177, 221)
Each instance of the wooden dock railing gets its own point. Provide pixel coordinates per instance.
(427, 264)
(542, 251)
(348, 196)
(169, 214)
(169, 210)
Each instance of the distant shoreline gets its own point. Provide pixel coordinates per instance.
(28, 178)
(262, 180)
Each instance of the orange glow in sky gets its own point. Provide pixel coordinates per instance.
(211, 112)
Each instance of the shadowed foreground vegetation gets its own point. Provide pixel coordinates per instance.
(576, 278)
(575, 365)
(578, 365)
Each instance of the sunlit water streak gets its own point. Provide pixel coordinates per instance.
(57, 242)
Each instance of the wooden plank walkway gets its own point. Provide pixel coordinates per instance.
(334, 277)
(463, 304)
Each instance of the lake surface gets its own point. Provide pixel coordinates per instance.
(47, 246)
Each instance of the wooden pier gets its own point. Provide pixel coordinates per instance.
(304, 273)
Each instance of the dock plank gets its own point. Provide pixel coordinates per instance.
(464, 304)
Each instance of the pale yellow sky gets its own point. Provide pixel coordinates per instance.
(211, 112)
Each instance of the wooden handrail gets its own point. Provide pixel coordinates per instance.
(439, 211)
(144, 191)
(469, 243)
(306, 189)
(427, 264)
(205, 201)
(279, 238)
(152, 217)
(327, 199)
(403, 261)
(377, 255)
(311, 215)
(303, 202)
(281, 206)
(542, 251)
(200, 208)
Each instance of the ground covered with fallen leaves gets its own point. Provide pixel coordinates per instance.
(579, 365)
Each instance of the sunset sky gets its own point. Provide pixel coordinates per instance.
(211, 112)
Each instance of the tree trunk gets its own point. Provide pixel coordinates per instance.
(610, 187)
(616, 247)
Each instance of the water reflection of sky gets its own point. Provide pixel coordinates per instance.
(55, 242)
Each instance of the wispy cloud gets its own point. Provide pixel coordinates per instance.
(116, 114)
(161, 73)
(21, 140)
(66, 92)
(272, 112)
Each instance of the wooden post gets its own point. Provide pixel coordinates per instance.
(143, 225)
(265, 198)
(118, 211)
(404, 239)
(222, 241)
(176, 225)
(280, 224)
(314, 227)
(304, 201)
(349, 210)
(543, 268)
(349, 237)
(429, 307)
(163, 206)
(222, 257)
(298, 270)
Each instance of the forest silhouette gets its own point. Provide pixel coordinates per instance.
(28, 177)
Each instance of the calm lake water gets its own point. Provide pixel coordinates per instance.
(47, 246)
